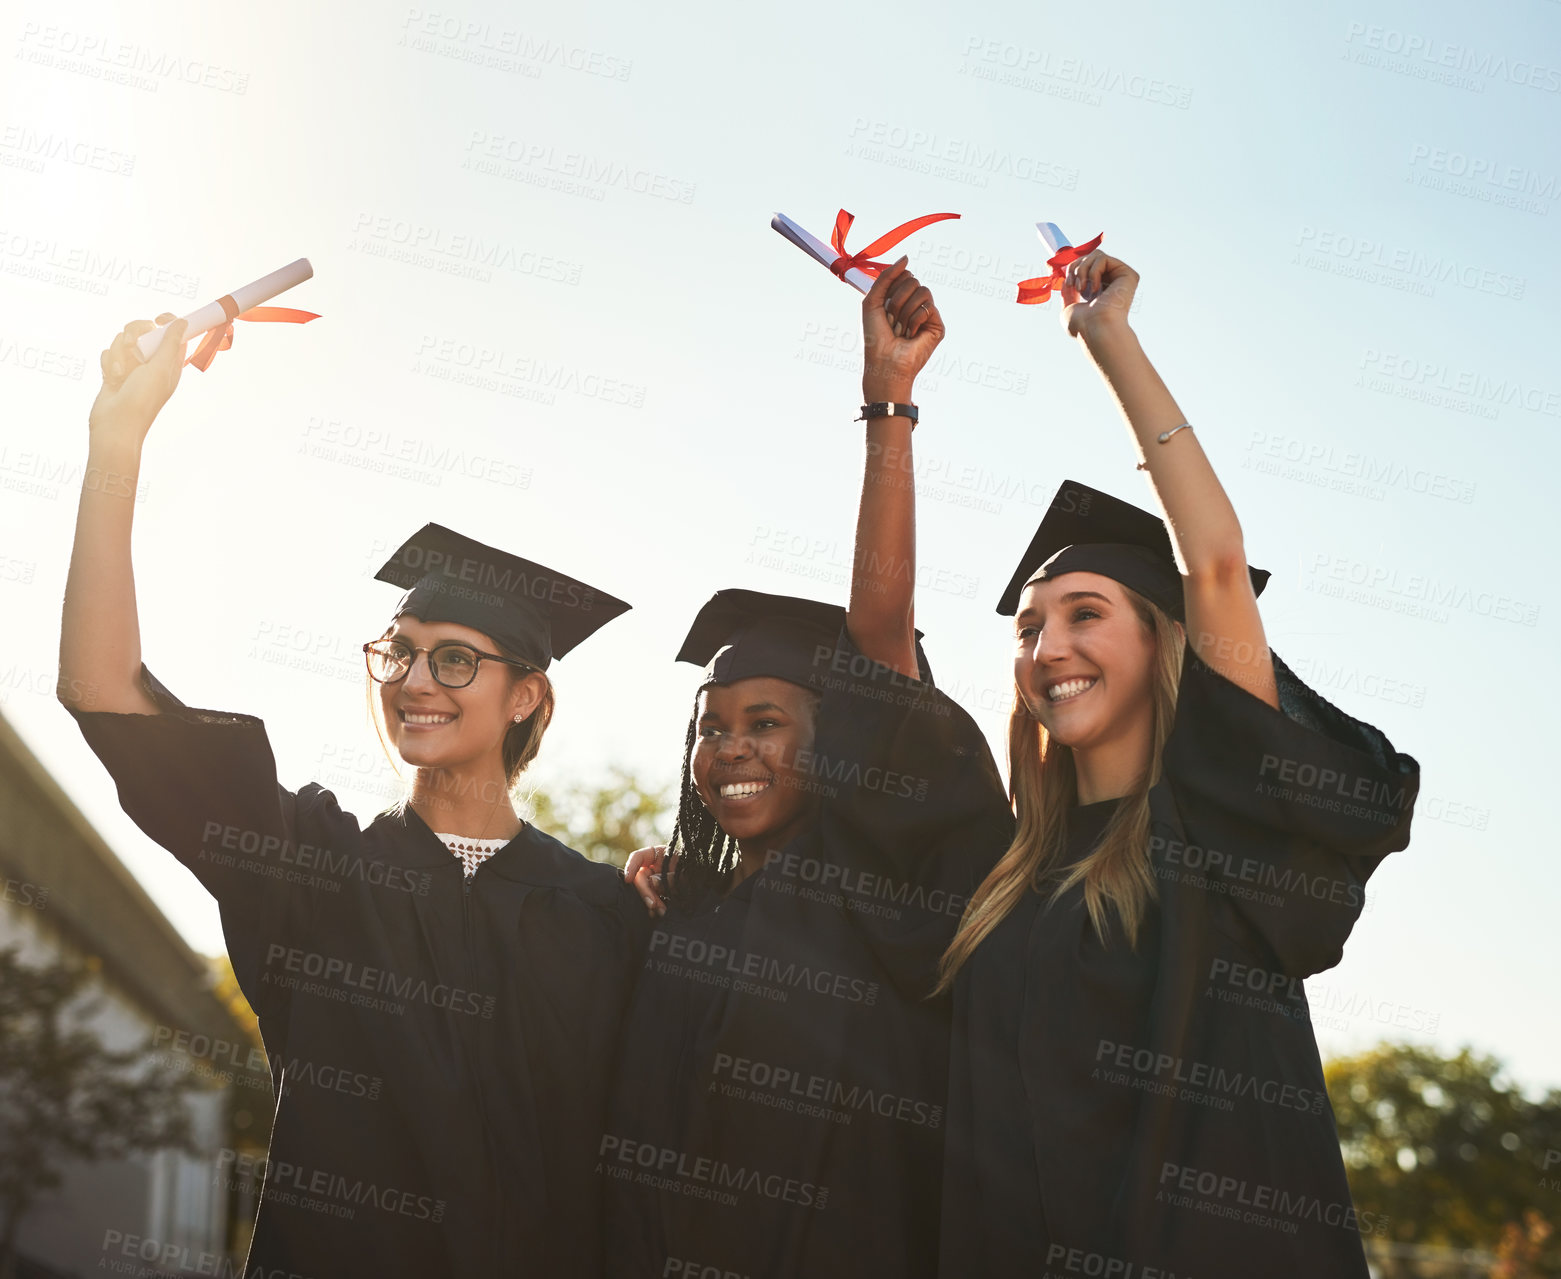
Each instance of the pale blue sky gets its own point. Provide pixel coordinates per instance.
(1349, 256)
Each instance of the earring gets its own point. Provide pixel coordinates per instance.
(518, 718)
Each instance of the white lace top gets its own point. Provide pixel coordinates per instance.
(472, 852)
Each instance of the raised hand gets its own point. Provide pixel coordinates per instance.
(133, 392)
(901, 328)
(1097, 290)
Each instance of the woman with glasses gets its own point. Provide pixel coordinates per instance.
(440, 991)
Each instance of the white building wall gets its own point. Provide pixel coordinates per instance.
(101, 1209)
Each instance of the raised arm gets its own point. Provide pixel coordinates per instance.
(100, 635)
(900, 329)
(1223, 623)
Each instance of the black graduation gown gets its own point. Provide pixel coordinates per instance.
(779, 1103)
(1160, 1111)
(441, 1049)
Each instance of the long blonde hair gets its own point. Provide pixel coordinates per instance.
(1042, 786)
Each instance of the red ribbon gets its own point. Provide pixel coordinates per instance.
(1040, 288)
(221, 339)
(862, 259)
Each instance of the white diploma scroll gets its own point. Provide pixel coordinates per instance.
(819, 251)
(215, 314)
(1052, 234)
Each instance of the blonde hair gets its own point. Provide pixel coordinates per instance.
(1042, 786)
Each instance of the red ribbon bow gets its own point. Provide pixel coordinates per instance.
(862, 259)
(221, 339)
(1040, 288)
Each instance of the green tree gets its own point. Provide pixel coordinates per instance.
(64, 1095)
(606, 822)
(1450, 1151)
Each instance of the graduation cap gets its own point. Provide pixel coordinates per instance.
(745, 634)
(1085, 530)
(527, 609)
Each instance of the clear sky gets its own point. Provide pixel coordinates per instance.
(555, 318)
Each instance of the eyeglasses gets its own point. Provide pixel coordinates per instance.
(453, 665)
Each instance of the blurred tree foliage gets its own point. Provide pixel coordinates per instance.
(606, 822)
(64, 1095)
(1451, 1153)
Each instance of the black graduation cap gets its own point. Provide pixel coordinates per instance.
(1085, 530)
(744, 634)
(529, 610)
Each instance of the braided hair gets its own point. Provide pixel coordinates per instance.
(705, 854)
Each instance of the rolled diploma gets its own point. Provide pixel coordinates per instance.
(1052, 234)
(212, 316)
(817, 249)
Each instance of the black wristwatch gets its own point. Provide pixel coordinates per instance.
(884, 408)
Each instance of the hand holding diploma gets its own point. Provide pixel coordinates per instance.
(856, 269)
(901, 328)
(1038, 290)
(1097, 294)
(134, 390)
(215, 319)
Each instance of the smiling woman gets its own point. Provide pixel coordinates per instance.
(479, 973)
(1115, 1107)
(778, 1105)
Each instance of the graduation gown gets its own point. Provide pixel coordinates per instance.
(441, 1049)
(778, 1109)
(1159, 1110)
